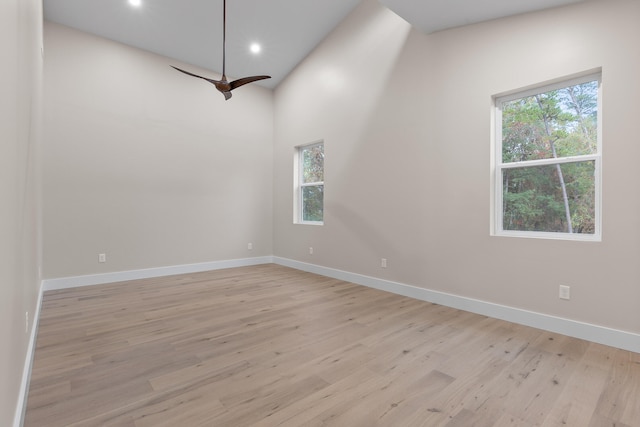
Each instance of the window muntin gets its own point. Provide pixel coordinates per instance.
(548, 152)
(311, 184)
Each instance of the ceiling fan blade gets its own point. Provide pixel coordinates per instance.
(243, 81)
(223, 85)
(195, 75)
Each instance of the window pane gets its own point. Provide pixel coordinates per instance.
(312, 203)
(557, 123)
(534, 200)
(313, 163)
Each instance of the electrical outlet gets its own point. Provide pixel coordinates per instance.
(383, 263)
(310, 250)
(250, 246)
(565, 292)
(26, 322)
(102, 257)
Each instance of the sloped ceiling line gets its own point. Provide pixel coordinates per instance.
(190, 31)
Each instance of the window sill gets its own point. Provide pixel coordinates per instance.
(570, 237)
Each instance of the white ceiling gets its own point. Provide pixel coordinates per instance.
(191, 30)
(435, 15)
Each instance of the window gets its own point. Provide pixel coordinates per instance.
(548, 152)
(310, 189)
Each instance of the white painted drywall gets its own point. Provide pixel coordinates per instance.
(406, 121)
(20, 132)
(147, 165)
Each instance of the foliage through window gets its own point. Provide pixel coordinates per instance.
(311, 183)
(548, 155)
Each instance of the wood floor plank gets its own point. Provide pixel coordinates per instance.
(622, 387)
(577, 403)
(267, 346)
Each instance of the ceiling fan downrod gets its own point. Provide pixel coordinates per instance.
(223, 85)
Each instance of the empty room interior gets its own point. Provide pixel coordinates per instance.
(427, 214)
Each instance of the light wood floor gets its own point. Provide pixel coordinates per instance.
(271, 346)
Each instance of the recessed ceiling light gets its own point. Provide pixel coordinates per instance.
(255, 48)
(135, 3)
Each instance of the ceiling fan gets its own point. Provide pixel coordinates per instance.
(223, 85)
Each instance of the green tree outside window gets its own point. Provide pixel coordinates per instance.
(549, 160)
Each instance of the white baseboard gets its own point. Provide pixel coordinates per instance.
(599, 334)
(121, 276)
(21, 406)
(595, 333)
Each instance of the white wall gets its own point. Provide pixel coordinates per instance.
(148, 165)
(406, 120)
(20, 132)
(155, 169)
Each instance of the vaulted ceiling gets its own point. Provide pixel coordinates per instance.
(287, 30)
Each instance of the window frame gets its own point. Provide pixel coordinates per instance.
(497, 216)
(300, 185)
